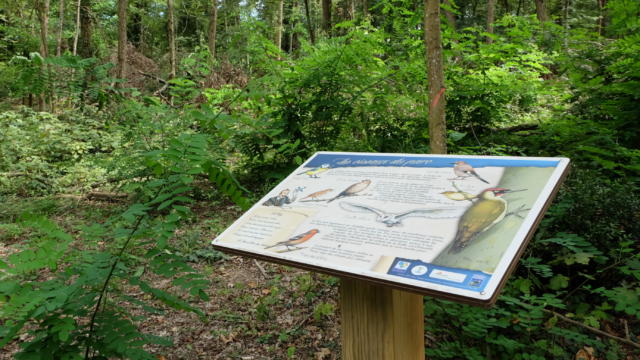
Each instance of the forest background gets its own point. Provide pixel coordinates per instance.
(133, 131)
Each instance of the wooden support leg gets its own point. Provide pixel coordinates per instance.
(379, 323)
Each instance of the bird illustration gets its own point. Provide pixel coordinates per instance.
(487, 211)
(459, 195)
(296, 240)
(313, 173)
(463, 170)
(352, 190)
(394, 219)
(314, 196)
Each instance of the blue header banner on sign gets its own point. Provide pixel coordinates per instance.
(354, 160)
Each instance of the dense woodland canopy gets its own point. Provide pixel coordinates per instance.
(134, 131)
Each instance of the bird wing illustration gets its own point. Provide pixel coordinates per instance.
(361, 208)
(439, 213)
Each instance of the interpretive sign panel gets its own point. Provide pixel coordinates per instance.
(449, 226)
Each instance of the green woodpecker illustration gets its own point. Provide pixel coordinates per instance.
(488, 210)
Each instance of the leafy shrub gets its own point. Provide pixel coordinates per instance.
(41, 152)
(492, 84)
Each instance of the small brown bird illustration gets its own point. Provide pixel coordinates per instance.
(463, 170)
(296, 240)
(487, 211)
(352, 190)
(316, 195)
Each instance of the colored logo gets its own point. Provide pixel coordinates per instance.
(402, 265)
(477, 280)
(419, 270)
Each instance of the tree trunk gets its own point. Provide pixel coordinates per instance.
(43, 16)
(601, 5)
(326, 16)
(42, 7)
(86, 29)
(565, 22)
(172, 39)
(77, 32)
(122, 40)
(541, 11)
(451, 17)
(60, 29)
(435, 75)
(491, 11)
(213, 26)
(365, 8)
(312, 34)
(278, 25)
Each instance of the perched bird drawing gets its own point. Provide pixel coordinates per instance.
(296, 240)
(463, 170)
(395, 219)
(316, 195)
(283, 197)
(484, 213)
(459, 195)
(352, 190)
(313, 173)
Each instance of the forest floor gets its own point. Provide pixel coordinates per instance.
(257, 310)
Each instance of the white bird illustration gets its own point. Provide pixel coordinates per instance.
(394, 219)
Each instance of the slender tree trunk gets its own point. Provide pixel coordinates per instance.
(86, 29)
(213, 26)
(278, 27)
(60, 29)
(565, 22)
(541, 11)
(122, 40)
(601, 5)
(326, 16)
(491, 12)
(352, 9)
(77, 32)
(43, 16)
(365, 8)
(172, 39)
(312, 34)
(435, 74)
(451, 17)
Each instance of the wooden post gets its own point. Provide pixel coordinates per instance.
(380, 323)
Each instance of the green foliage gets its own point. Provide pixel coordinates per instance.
(498, 83)
(51, 310)
(41, 152)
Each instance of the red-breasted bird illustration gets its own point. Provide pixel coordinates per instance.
(296, 240)
(352, 190)
(488, 210)
(463, 170)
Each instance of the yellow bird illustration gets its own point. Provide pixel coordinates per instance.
(313, 173)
